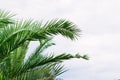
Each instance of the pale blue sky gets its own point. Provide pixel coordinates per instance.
(99, 21)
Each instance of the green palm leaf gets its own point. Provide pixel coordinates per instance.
(15, 35)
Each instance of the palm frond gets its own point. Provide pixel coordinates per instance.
(40, 60)
(48, 72)
(61, 26)
(14, 35)
(6, 18)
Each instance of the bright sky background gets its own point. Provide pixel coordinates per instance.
(99, 21)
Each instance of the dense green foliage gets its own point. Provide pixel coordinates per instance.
(15, 37)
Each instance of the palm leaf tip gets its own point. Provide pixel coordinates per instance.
(6, 18)
(63, 27)
(73, 30)
(6, 14)
(84, 56)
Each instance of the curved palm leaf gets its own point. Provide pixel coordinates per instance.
(15, 35)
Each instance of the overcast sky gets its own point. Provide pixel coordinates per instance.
(99, 21)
